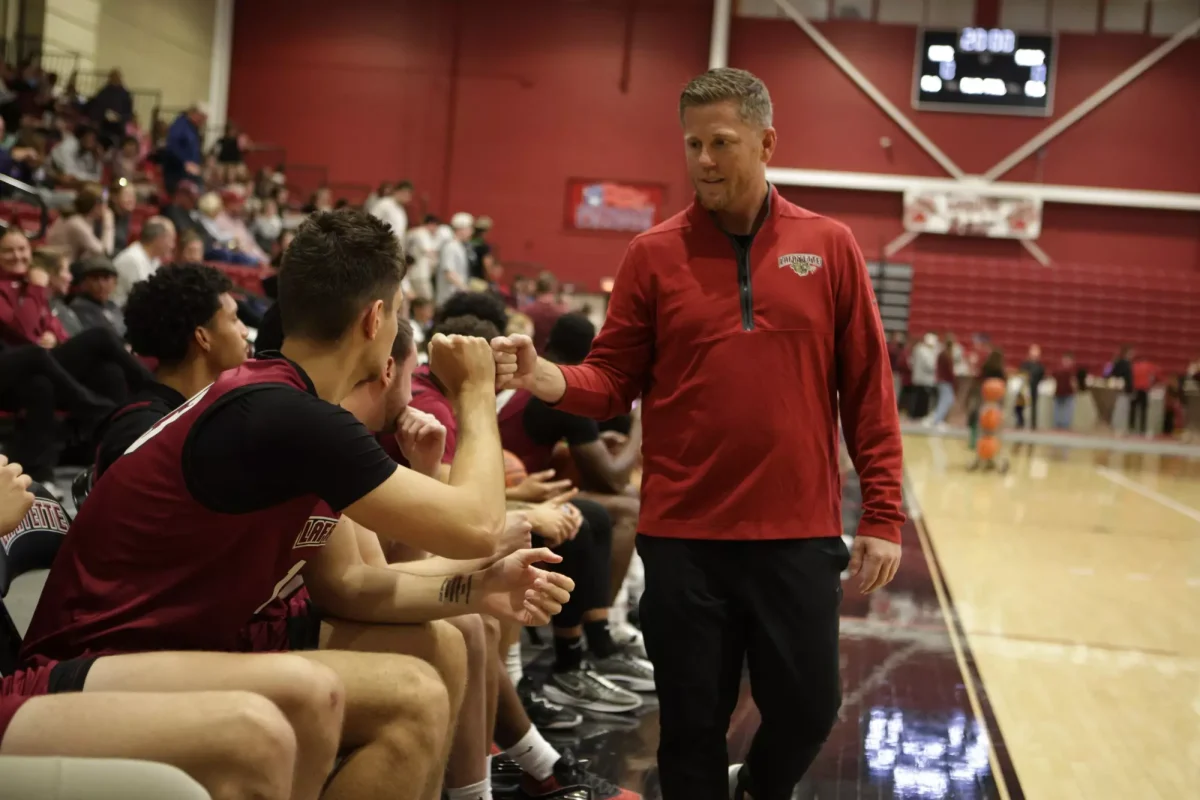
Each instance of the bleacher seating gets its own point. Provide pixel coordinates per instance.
(1084, 309)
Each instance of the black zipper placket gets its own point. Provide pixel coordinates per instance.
(745, 293)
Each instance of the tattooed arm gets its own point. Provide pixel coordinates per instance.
(343, 584)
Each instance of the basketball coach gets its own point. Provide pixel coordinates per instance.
(746, 324)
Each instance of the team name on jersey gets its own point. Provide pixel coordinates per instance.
(316, 532)
(44, 515)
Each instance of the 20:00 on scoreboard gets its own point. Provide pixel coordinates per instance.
(985, 71)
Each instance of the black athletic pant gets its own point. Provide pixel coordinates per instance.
(587, 560)
(98, 360)
(708, 607)
(1139, 402)
(34, 385)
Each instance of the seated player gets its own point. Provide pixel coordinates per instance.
(531, 429)
(195, 527)
(586, 559)
(418, 439)
(185, 317)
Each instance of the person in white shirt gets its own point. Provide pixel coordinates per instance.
(423, 245)
(143, 258)
(454, 262)
(391, 209)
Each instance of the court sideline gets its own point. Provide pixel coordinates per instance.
(1076, 578)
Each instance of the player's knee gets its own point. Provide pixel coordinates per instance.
(421, 723)
(259, 750)
(451, 659)
(624, 506)
(492, 631)
(309, 691)
(473, 632)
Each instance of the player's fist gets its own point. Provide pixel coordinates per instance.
(462, 362)
(516, 360)
(15, 497)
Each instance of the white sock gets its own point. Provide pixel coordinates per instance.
(476, 791)
(512, 663)
(534, 754)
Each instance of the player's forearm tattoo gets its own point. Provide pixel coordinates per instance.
(456, 589)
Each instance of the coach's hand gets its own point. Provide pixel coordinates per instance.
(874, 561)
(462, 362)
(516, 360)
(422, 440)
(514, 589)
(15, 497)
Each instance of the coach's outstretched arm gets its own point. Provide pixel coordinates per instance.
(615, 372)
(465, 517)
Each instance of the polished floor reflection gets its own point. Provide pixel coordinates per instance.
(915, 722)
(1077, 580)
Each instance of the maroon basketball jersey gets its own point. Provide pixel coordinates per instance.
(513, 436)
(146, 566)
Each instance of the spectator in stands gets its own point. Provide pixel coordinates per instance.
(483, 259)
(111, 108)
(385, 189)
(1035, 372)
(519, 323)
(78, 158)
(140, 260)
(92, 301)
(424, 245)
(191, 248)
(1145, 376)
(544, 309)
(96, 358)
(183, 156)
(267, 225)
(924, 375)
(182, 211)
(281, 247)
(126, 166)
(75, 232)
(1122, 372)
(1065, 387)
(454, 261)
(58, 281)
(122, 202)
(186, 319)
(944, 375)
(421, 313)
(392, 209)
(230, 153)
(321, 200)
(17, 160)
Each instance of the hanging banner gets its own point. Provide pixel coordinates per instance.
(606, 205)
(969, 214)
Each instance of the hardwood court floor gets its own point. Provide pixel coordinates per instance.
(1076, 578)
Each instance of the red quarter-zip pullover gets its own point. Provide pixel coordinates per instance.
(741, 358)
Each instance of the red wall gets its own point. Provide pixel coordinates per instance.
(1145, 137)
(367, 90)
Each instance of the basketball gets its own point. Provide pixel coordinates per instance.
(987, 448)
(514, 470)
(994, 390)
(990, 419)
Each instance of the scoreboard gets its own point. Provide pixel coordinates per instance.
(984, 71)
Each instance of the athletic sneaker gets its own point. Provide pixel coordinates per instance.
(584, 688)
(570, 781)
(625, 670)
(736, 790)
(542, 713)
(628, 638)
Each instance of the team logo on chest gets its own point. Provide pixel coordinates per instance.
(315, 533)
(801, 263)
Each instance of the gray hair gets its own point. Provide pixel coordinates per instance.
(154, 229)
(726, 83)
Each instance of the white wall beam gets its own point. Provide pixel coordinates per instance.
(869, 89)
(1091, 103)
(218, 74)
(1082, 195)
(718, 46)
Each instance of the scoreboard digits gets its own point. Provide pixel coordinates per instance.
(984, 70)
